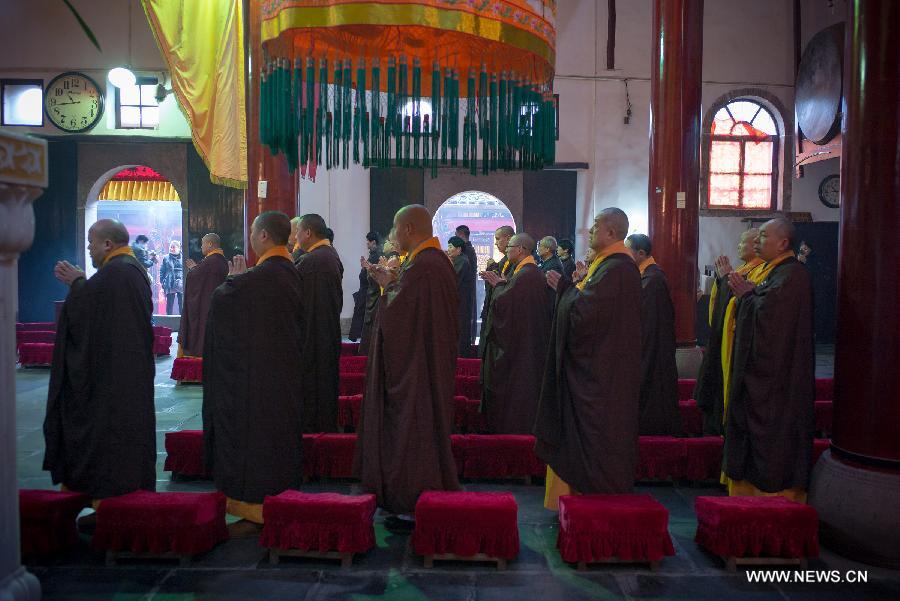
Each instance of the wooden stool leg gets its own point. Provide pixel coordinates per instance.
(654, 566)
(429, 561)
(501, 565)
(582, 566)
(731, 562)
(273, 556)
(346, 560)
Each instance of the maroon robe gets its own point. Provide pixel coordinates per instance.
(515, 350)
(587, 424)
(407, 413)
(199, 285)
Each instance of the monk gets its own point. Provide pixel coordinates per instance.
(466, 290)
(502, 236)
(322, 274)
(546, 250)
(201, 281)
(292, 245)
(659, 414)
(587, 424)
(465, 233)
(770, 423)
(710, 389)
(373, 244)
(407, 413)
(252, 387)
(515, 342)
(100, 426)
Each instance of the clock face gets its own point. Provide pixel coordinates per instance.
(73, 102)
(830, 191)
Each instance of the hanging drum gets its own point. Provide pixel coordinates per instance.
(818, 100)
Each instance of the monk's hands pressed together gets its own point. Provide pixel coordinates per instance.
(237, 265)
(492, 278)
(580, 273)
(723, 266)
(739, 285)
(384, 276)
(190, 263)
(553, 278)
(67, 273)
(393, 263)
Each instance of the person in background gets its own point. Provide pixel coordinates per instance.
(145, 257)
(547, 251)
(362, 298)
(469, 251)
(566, 253)
(171, 277)
(465, 285)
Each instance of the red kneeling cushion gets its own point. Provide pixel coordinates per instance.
(351, 384)
(660, 457)
(348, 410)
(466, 524)
(309, 454)
(47, 520)
(756, 526)
(458, 448)
(333, 455)
(691, 418)
(187, 369)
(185, 523)
(349, 348)
(824, 389)
(703, 458)
(686, 389)
(319, 522)
(468, 386)
(626, 527)
(468, 367)
(824, 416)
(162, 331)
(35, 353)
(162, 345)
(353, 364)
(42, 336)
(184, 453)
(501, 456)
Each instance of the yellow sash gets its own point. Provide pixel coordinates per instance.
(122, 250)
(612, 249)
(743, 270)
(322, 242)
(430, 243)
(215, 251)
(275, 251)
(529, 260)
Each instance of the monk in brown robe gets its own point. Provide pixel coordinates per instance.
(252, 389)
(587, 424)
(100, 426)
(659, 414)
(201, 281)
(709, 391)
(322, 273)
(515, 341)
(770, 423)
(465, 288)
(502, 236)
(407, 413)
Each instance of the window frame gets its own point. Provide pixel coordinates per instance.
(139, 81)
(20, 82)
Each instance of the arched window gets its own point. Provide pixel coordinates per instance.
(743, 157)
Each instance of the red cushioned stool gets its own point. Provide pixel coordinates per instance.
(187, 370)
(321, 525)
(349, 348)
(691, 418)
(353, 364)
(43, 326)
(820, 445)
(145, 524)
(461, 413)
(348, 410)
(661, 458)
(468, 367)
(351, 384)
(470, 526)
(468, 386)
(35, 353)
(824, 389)
(458, 448)
(613, 529)
(824, 417)
(333, 455)
(309, 455)
(703, 458)
(686, 389)
(162, 345)
(502, 456)
(47, 519)
(757, 530)
(42, 336)
(184, 454)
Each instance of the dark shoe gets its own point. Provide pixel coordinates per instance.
(399, 525)
(87, 523)
(244, 529)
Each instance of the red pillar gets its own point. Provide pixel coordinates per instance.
(674, 184)
(855, 487)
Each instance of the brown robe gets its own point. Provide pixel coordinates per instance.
(252, 390)
(407, 413)
(100, 426)
(587, 424)
(515, 350)
(770, 424)
(321, 273)
(497, 268)
(659, 414)
(465, 288)
(709, 390)
(199, 285)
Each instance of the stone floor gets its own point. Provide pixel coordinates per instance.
(237, 569)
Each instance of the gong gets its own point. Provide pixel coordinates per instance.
(818, 87)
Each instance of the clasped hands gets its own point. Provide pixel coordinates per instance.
(67, 273)
(384, 273)
(738, 283)
(492, 278)
(553, 277)
(237, 266)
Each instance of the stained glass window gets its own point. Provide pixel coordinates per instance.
(742, 154)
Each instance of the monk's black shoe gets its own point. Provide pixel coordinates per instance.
(398, 525)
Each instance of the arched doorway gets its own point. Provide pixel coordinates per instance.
(150, 207)
(483, 213)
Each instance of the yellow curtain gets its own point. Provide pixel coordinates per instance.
(138, 190)
(203, 44)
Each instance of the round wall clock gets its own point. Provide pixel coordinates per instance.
(830, 191)
(73, 102)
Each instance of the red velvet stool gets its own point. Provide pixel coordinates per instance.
(35, 353)
(47, 521)
(468, 367)
(824, 389)
(42, 336)
(613, 529)
(353, 364)
(502, 456)
(309, 455)
(184, 454)
(349, 348)
(351, 384)
(691, 418)
(757, 530)
(820, 445)
(661, 458)
(462, 412)
(348, 410)
(36, 325)
(703, 458)
(468, 386)
(333, 455)
(824, 417)
(147, 524)
(686, 389)
(320, 525)
(471, 526)
(458, 448)
(162, 340)
(187, 370)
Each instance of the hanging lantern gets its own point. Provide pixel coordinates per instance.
(409, 83)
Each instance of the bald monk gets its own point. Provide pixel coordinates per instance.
(769, 422)
(502, 236)
(292, 245)
(201, 281)
(252, 388)
(709, 391)
(659, 414)
(100, 426)
(322, 273)
(587, 424)
(515, 341)
(407, 413)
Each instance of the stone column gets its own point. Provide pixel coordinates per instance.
(674, 185)
(23, 175)
(855, 485)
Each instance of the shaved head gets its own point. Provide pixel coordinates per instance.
(112, 230)
(616, 220)
(413, 226)
(276, 224)
(746, 250)
(523, 239)
(776, 237)
(213, 240)
(782, 229)
(505, 230)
